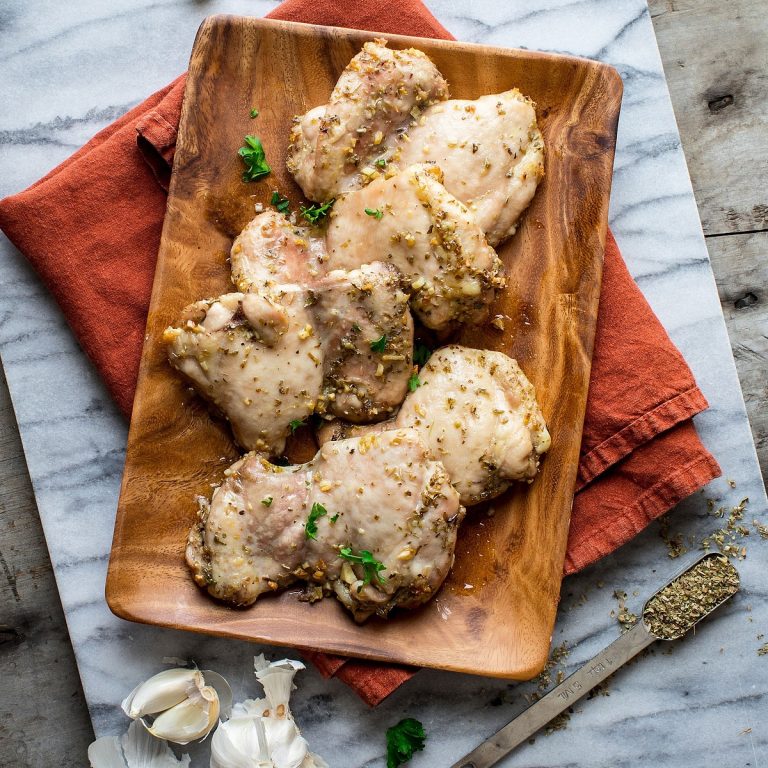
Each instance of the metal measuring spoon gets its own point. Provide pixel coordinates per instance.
(582, 681)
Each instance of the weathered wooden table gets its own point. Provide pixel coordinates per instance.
(716, 61)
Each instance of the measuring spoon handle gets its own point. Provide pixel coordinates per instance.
(581, 682)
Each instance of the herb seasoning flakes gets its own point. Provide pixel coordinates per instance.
(672, 611)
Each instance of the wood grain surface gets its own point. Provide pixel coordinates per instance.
(513, 559)
(716, 62)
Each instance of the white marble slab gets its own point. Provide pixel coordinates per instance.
(68, 70)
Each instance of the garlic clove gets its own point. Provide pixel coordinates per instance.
(287, 747)
(136, 749)
(163, 691)
(194, 718)
(144, 751)
(240, 743)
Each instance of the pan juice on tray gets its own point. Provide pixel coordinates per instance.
(412, 191)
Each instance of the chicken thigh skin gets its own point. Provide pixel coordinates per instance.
(267, 362)
(410, 221)
(380, 92)
(254, 360)
(267, 527)
(477, 412)
(490, 151)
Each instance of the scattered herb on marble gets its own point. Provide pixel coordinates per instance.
(315, 213)
(403, 739)
(761, 529)
(310, 527)
(282, 204)
(763, 650)
(557, 656)
(672, 611)
(727, 539)
(560, 722)
(625, 617)
(255, 159)
(601, 689)
(674, 543)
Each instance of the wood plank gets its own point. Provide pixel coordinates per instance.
(740, 263)
(41, 687)
(175, 450)
(716, 60)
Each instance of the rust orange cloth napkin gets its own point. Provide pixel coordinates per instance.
(91, 228)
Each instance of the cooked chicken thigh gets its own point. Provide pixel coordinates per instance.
(253, 359)
(477, 412)
(490, 151)
(381, 91)
(378, 500)
(410, 221)
(366, 328)
(352, 312)
(271, 252)
(342, 348)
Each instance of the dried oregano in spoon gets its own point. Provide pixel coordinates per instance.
(673, 610)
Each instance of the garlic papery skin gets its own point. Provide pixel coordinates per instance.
(192, 719)
(178, 706)
(136, 749)
(277, 679)
(162, 692)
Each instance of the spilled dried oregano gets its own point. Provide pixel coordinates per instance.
(672, 611)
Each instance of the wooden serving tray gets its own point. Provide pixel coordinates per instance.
(495, 613)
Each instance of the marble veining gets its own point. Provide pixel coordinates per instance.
(686, 703)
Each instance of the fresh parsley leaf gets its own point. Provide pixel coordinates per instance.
(370, 564)
(403, 740)
(421, 353)
(295, 424)
(283, 204)
(267, 501)
(381, 162)
(413, 382)
(254, 158)
(334, 518)
(377, 213)
(380, 344)
(254, 112)
(310, 527)
(315, 212)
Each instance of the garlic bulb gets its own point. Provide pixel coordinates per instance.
(183, 707)
(261, 733)
(135, 749)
